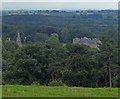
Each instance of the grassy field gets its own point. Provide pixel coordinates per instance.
(63, 91)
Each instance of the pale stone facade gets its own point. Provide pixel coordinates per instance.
(93, 43)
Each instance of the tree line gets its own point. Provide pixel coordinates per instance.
(35, 28)
(52, 60)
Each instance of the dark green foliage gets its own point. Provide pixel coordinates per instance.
(67, 24)
(28, 65)
(77, 49)
(48, 55)
(50, 62)
(8, 49)
(80, 71)
(40, 37)
(56, 55)
(107, 59)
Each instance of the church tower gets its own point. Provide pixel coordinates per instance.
(19, 40)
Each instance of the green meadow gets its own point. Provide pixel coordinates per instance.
(61, 91)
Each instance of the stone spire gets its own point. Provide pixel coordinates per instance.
(19, 40)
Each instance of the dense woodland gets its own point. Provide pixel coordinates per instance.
(48, 54)
(38, 27)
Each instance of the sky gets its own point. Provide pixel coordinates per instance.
(60, 0)
(60, 4)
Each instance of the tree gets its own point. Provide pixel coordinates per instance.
(107, 50)
(77, 49)
(56, 54)
(65, 35)
(80, 71)
(8, 49)
(40, 37)
(81, 66)
(27, 65)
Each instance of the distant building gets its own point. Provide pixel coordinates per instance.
(93, 43)
(19, 40)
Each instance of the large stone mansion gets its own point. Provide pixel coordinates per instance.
(93, 43)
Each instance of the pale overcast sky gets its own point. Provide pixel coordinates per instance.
(60, 4)
(60, 0)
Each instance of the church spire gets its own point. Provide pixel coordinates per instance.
(19, 40)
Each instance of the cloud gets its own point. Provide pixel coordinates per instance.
(60, 5)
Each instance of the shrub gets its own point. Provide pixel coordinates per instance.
(56, 83)
(35, 83)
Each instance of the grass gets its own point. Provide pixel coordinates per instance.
(63, 91)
